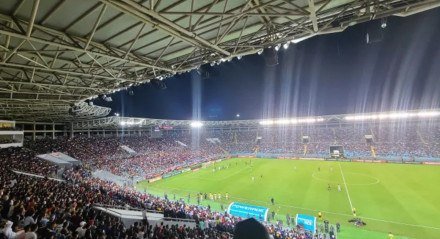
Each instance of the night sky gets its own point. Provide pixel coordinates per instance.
(329, 74)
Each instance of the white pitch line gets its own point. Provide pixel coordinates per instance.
(346, 188)
(401, 223)
(316, 210)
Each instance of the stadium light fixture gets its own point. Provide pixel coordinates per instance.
(393, 115)
(237, 115)
(297, 40)
(239, 57)
(428, 114)
(116, 114)
(383, 23)
(277, 47)
(260, 52)
(196, 124)
(266, 122)
(131, 122)
(286, 45)
(282, 121)
(291, 121)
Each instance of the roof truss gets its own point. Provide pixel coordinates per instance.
(65, 51)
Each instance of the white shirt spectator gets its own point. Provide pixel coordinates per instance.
(28, 221)
(81, 230)
(8, 232)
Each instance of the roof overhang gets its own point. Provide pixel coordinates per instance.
(55, 53)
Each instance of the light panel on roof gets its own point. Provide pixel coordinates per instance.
(393, 115)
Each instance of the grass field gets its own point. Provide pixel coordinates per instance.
(402, 199)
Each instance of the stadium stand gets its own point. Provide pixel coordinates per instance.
(162, 155)
(65, 209)
(61, 57)
(50, 208)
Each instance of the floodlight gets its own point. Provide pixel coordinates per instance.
(196, 124)
(277, 47)
(266, 122)
(286, 45)
(383, 23)
(428, 113)
(297, 40)
(393, 115)
(282, 121)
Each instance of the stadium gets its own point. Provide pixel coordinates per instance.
(284, 119)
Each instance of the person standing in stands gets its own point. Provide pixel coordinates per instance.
(144, 214)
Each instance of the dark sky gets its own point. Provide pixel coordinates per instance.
(329, 74)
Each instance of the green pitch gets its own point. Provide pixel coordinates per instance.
(402, 199)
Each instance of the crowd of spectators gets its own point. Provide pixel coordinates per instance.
(46, 208)
(33, 207)
(387, 141)
(179, 149)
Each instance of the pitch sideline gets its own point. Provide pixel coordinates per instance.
(315, 210)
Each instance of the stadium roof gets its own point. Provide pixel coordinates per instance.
(114, 122)
(54, 53)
